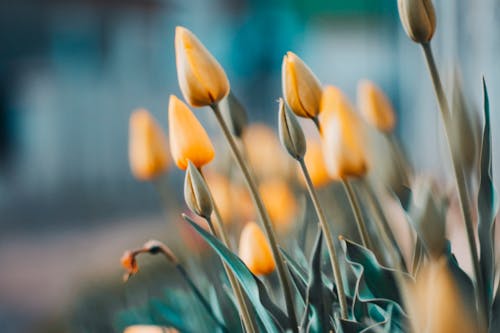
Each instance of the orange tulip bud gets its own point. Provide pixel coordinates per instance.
(201, 78)
(188, 139)
(375, 106)
(301, 88)
(315, 165)
(343, 137)
(279, 202)
(255, 250)
(148, 153)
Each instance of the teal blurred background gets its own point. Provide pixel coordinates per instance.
(71, 72)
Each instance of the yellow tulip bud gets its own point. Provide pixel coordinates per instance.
(201, 78)
(418, 19)
(280, 203)
(148, 153)
(375, 106)
(301, 88)
(343, 137)
(255, 250)
(149, 329)
(188, 139)
(436, 304)
(315, 165)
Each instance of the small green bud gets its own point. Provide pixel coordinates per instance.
(196, 193)
(418, 19)
(291, 134)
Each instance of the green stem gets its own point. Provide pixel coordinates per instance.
(356, 209)
(264, 217)
(329, 241)
(459, 176)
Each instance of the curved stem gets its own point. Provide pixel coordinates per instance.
(459, 176)
(264, 217)
(337, 275)
(363, 232)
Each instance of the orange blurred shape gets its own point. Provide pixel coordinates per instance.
(344, 145)
(375, 106)
(264, 152)
(148, 153)
(255, 251)
(220, 187)
(201, 78)
(435, 303)
(315, 165)
(149, 329)
(188, 138)
(280, 203)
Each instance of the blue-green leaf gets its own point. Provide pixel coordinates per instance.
(487, 207)
(249, 282)
(495, 314)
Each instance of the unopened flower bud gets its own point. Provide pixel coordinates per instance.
(291, 134)
(236, 114)
(375, 107)
(418, 19)
(201, 78)
(188, 138)
(301, 88)
(196, 193)
(255, 250)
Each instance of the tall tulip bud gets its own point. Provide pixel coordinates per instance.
(343, 138)
(375, 106)
(196, 193)
(255, 250)
(188, 139)
(418, 19)
(148, 153)
(291, 134)
(201, 78)
(301, 88)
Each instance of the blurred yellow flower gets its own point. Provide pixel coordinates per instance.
(149, 329)
(435, 302)
(301, 88)
(255, 251)
(188, 138)
(344, 148)
(375, 106)
(148, 153)
(220, 187)
(280, 203)
(201, 78)
(265, 153)
(315, 163)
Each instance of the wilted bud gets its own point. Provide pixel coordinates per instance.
(129, 264)
(418, 19)
(375, 106)
(148, 151)
(196, 193)
(344, 146)
(435, 302)
(188, 139)
(201, 78)
(301, 88)
(255, 250)
(315, 164)
(238, 118)
(291, 134)
(280, 203)
(149, 329)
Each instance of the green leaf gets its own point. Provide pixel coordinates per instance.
(348, 326)
(495, 314)
(167, 315)
(317, 315)
(487, 207)
(257, 295)
(376, 284)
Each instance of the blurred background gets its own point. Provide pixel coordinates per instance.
(71, 72)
